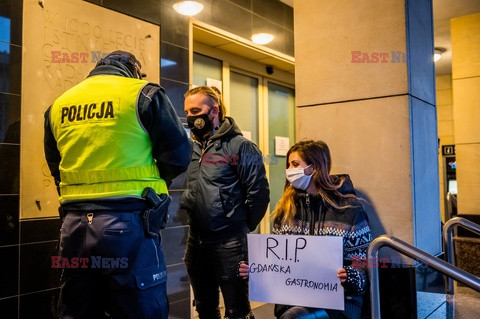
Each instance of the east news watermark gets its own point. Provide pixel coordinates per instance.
(84, 57)
(384, 262)
(235, 159)
(379, 57)
(97, 262)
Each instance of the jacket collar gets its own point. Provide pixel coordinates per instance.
(111, 69)
(228, 127)
(346, 188)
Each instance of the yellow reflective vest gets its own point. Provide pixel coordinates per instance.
(105, 151)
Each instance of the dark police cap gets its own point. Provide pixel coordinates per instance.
(125, 58)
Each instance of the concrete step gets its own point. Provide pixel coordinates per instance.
(465, 304)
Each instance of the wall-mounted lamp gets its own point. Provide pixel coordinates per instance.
(262, 38)
(438, 54)
(188, 8)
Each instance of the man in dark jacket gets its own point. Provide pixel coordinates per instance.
(227, 196)
(112, 143)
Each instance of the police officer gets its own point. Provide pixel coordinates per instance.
(112, 143)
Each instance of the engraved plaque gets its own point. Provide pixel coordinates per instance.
(62, 41)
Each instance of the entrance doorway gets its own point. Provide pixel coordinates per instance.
(260, 97)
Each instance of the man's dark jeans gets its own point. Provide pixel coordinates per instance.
(214, 265)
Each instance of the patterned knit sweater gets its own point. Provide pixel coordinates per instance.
(316, 217)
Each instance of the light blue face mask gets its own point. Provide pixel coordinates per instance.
(297, 177)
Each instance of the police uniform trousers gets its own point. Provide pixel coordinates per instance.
(126, 273)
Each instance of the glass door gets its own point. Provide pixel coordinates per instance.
(244, 104)
(205, 68)
(262, 108)
(281, 123)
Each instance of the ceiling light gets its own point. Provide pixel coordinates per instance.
(188, 8)
(262, 38)
(438, 54)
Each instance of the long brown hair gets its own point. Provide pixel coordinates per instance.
(215, 97)
(317, 154)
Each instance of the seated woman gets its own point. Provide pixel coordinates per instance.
(319, 204)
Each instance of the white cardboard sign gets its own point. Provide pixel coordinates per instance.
(296, 270)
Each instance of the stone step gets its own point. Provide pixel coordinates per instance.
(465, 304)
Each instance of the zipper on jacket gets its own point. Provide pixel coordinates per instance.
(201, 151)
(321, 218)
(204, 150)
(195, 188)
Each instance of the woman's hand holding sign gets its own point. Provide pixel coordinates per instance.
(342, 274)
(243, 270)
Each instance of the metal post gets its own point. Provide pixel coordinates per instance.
(448, 229)
(372, 252)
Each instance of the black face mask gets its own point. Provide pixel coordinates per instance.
(200, 125)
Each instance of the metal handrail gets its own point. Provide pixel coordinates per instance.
(448, 229)
(451, 202)
(417, 254)
(452, 198)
